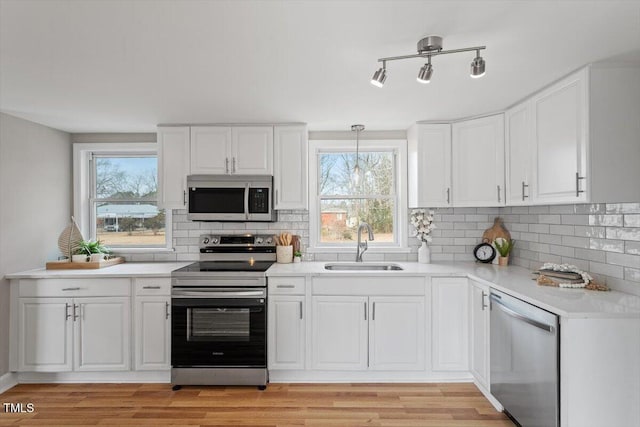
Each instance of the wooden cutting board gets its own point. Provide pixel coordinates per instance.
(67, 265)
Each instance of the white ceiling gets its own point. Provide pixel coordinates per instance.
(125, 66)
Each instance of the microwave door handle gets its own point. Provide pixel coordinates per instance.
(246, 200)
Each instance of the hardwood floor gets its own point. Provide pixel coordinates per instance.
(423, 405)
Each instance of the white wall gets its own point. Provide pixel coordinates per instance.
(35, 203)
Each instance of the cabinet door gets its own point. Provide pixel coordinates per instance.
(560, 135)
(450, 323)
(478, 162)
(173, 166)
(339, 339)
(153, 333)
(290, 167)
(286, 332)
(102, 334)
(479, 331)
(210, 150)
(252, 150)
(45, 334)
(396, 333)
(430, 165)
(518, 153)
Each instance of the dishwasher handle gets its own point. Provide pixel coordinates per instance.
(519, 316)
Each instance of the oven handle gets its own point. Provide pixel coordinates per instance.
(218, 293)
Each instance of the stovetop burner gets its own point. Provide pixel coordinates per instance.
(226, 266)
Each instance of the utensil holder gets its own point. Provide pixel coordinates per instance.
(284, 254)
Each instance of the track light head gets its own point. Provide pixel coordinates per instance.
(425, 73)
(477, 66)
(379, 77)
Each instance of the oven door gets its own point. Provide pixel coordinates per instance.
(219, 331)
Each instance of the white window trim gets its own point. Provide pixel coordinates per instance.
(400, 149)
(82, 189)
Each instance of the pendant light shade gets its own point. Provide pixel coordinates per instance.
(379, 77)
(425, 73)
(477, 66)
(356, 170)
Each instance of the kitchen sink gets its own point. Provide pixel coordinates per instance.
(361, 266)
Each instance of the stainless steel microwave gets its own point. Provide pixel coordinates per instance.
(232, 198)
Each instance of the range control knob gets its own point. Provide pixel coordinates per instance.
(205, 240)
(269, 240)
(259, 240)
(215, 240)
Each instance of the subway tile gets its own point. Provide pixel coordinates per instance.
(591, 255)
(442, 241)
(623, 233)
(590, 208)
(632, 274)
(187, 257)
(606, 245)
(324, 257)
(522, 244)
(444, 225)
(539, 228)
(575, 242)
(518, 227)
(531, 219)
(606, 220)
(632, 248)
(623, 208)
(530, 255)
(476, 218)
(464, 210)
(539, 209)
(530, 237)
(473, 233)
(561, 209)
(521, 262)
(515, 235)
(626, 286)
(606, 269)
(465, 225)
(565, 230)
(575, 219)
(549, 219)
(140, 257)
(538, 247)
(511, 218)
(180, 233)
(465, 241)
(561, 250)
(624, 260)
(550, 238)
(520, 209)
(454, 249)
(452, 233)
(580, 263)
(164, 257)
(489, 211)
(463, 257)
(413, 257)
(556, 259)
(632, 220)
(453, 218)
(589, 231)
(441, 257)
(444, 211)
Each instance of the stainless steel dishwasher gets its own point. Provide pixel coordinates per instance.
(524, 354)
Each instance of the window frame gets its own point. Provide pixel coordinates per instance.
(399, 149)
(83, 191)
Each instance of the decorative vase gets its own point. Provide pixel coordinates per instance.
(503, 261)
(284, 254)
(424, 254)
(297, 259)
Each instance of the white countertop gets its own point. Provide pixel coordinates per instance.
(127, 269)
(516, 281)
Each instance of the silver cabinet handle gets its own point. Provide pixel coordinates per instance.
(373, 312)
(70, 289)
(482, 304)
(166, 310)
(233, 166)
(67, 315)
(184, 197)
(276, 196)
(76, 309)
(523, 187)
(498, 193)
(365, 310)
(151, 287)
(226, 165)
(578, 178)
(448, 195)
(300, 310)
(286, 286)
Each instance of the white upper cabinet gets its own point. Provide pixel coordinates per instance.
(429, 147)
(290, 177)
(210, 150)
(173, 166)
(246, 150)
(518, 153)
(560, 141)
(478, 162)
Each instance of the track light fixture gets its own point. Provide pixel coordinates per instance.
(428, 47)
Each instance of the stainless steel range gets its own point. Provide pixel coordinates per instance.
(219, 306)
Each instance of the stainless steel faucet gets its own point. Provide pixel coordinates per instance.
(363, 246)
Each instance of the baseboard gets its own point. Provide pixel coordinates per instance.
(95, 377)
(7, 381)
(494, 402)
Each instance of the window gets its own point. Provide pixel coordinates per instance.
(343, 201)
(117, 198)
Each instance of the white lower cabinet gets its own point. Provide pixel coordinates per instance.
(479, 333)
(286, 332)
(153, 332)
(80, 334)
(450, 324)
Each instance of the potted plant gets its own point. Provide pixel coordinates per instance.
(94, 250)
(297, 256)
(504, 247)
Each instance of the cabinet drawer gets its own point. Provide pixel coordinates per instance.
(153, 286)
(369, 285)
(286, 285)
(75, 287)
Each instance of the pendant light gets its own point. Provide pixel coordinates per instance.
(356, 169)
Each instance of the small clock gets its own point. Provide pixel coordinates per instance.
(484, 252)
